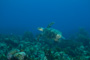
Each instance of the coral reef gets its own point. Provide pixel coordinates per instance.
(26, 47)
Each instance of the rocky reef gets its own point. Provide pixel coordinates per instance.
(27, 47)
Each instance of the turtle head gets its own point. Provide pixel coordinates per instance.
(59, 37)
(40, 28)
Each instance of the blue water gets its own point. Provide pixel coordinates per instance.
(17, 16)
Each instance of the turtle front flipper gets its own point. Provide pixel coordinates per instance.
(40, 29)
(49, 25)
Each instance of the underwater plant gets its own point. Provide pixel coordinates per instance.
(83, 37)
(28, 36)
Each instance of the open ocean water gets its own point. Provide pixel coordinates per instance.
(63, 33)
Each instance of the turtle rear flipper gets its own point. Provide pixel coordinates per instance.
(49, 25)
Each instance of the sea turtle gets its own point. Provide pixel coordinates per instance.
(50, 33)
